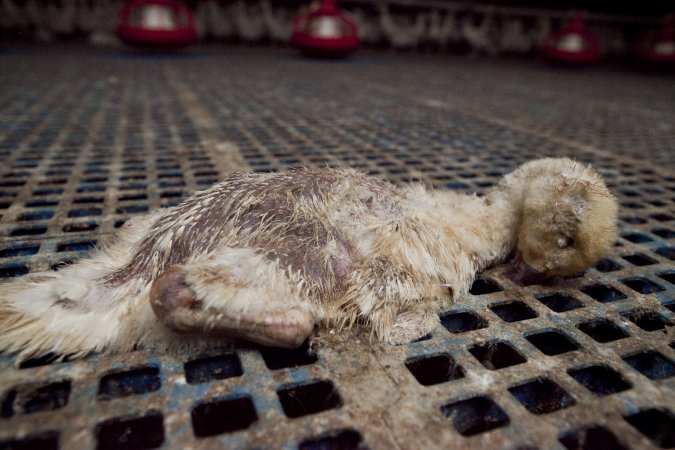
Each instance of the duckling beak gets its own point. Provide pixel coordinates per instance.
(522, 274)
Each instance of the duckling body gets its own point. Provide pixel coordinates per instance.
(265, 257)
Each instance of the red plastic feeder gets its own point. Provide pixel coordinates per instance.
(573, 43)
(156, 23)
(325, 31)
(658, 46)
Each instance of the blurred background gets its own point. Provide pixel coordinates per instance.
(483, 27)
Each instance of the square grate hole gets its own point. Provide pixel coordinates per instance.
(542, 396)
(656, 424)
(639, 259)
(28, 231)
(591, 438)
(603, 330)
(336, 440)
(668, 276)
(646, 319)
(462, 322)
(514, 311)
(223, 416)
(560, 302)
(19, 250)
(31, 398)
(475, 415)
(76, 246)
(308, 398)
(603, 293)
(662, 217)
(651, 364)
(132, 209)
(48, 440)
(79, 200)
(434, 369)
(642, 285)
(637, 238)
(130, 382)
(484, 286)
(666, 252)
(496, 355)
(634, 220)
(664, 233)
(600, 380)
(277, 358)
(552, 342)
(80, 227)
(607, 265)
(135, 432)
(426, 337)
(213, 368)
(41, 203)
(38, 215)
(85, 212)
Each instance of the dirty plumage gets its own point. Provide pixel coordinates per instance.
(265, 257)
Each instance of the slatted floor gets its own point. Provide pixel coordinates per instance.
(89, 138)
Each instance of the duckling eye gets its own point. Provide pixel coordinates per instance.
(565, 242)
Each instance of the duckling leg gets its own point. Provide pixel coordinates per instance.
(398, 304)
(233, 292)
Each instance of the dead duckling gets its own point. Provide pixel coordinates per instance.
(265, 257)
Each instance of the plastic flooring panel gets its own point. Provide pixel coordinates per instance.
(90, 139)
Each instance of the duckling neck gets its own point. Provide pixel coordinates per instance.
(501, 221)
(494, 221)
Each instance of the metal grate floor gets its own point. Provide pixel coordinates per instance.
(89, 138)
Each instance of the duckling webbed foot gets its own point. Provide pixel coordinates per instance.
(234, 293)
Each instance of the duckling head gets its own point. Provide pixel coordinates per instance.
(568, 220)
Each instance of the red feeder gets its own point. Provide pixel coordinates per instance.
(156, 23)
(658, 46)
(325, 31)
(572, 43)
